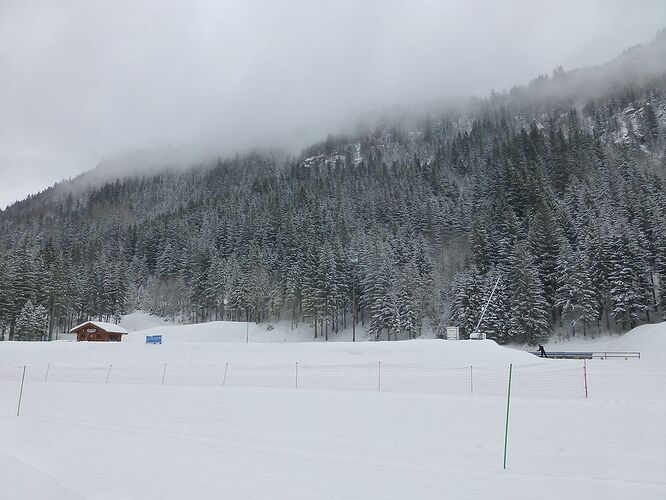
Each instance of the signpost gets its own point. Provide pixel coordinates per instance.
(153, 339)
(452, 333)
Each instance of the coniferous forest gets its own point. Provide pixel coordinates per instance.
(558, 197)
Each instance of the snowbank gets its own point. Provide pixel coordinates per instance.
(205, 343)
(650, 340)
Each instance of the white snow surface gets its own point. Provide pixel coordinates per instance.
(140, 320)
(101, 441)
(144, 324)
(649, 340)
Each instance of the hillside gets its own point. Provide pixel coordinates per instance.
(555, 189)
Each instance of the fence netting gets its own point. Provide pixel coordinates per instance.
(531, 381)
(261, 375)
(427, 379)
(363, 377)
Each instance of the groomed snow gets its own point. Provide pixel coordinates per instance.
(116, 441)
(22, 481)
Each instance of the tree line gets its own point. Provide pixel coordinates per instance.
(408, 225)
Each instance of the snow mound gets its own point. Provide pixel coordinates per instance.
(235, 341)
(649, 340)
(423, 352)
(253, 343)
(213, 332)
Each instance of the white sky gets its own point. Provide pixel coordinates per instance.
(84, 80)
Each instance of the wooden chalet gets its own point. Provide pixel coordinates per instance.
(96, 331)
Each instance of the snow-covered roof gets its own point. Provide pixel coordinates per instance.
(107, 327)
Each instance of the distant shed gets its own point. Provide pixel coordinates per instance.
(96, 331)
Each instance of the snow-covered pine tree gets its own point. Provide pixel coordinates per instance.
(627, 292)
(467, 302)
(575, 296)
(24, 280)
(529, 320)
(41, 324)
(543, 238)
(26, 323)
(6, 299)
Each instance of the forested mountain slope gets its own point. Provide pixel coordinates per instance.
(556, 189)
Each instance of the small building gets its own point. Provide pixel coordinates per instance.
(96, 331)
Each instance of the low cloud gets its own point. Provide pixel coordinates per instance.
(86, 80)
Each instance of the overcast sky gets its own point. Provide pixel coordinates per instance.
(82, 81)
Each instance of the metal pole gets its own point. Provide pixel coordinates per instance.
(18, 409)
(247, 331)
(506, 426)
(224, 379)
(163, 373)
(585, 375)
(48, 367)
(483, 312)
(108, 374)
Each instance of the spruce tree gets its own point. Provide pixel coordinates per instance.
(529, 322)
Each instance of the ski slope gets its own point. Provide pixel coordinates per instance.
(132, 441)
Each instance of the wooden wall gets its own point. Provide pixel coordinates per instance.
(93, 334)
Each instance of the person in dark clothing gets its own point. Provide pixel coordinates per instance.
(542, 352)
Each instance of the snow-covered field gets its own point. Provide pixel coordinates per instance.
(134, 441)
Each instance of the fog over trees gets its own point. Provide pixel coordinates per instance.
(557, 195)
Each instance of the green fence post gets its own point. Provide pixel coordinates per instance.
(18, 409)
(224, 379)
(506, 425)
